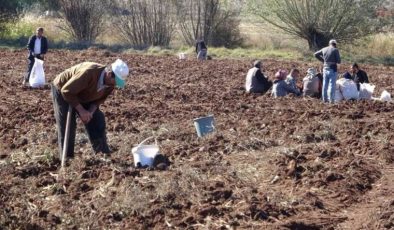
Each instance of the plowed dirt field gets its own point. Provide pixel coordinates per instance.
(291, 163)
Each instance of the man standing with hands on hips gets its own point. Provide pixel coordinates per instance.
(84, 87)
(38, 47)
(331, 58)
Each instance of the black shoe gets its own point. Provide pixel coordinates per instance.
(100, 145)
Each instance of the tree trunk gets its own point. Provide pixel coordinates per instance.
(317, 41)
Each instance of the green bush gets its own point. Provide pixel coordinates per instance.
(15, 33)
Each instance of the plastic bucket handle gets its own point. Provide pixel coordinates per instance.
(147, 139)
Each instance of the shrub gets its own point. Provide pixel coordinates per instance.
(144, 23)
(213, 20)
(84, 18)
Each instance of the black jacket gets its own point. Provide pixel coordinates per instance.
(360, 77)
(200, 45)
(32, 40)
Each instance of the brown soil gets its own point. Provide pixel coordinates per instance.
(290, 163)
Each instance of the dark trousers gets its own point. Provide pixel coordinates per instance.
(95, 128)
(30, 65)
(266, 85)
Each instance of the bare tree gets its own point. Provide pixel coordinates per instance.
(196, 18)
(145, 22)
(200, 19)
(85, 19)
(317, 21)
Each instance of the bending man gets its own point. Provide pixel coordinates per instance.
(84, 87)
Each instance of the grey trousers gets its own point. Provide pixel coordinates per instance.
(95, 128)
(202, 54)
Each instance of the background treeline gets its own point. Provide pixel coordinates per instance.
(140, 23)
(258, 24)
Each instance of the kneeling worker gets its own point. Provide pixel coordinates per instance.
(256, 82)
(84, 87)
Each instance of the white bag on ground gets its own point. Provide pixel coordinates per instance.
(182, 56)
(366, 91)
(338, 94)
(348, 88)
(37, 75)
(385, 96)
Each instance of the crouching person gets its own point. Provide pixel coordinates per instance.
(201, 50)
(280, 87)
(84, 87)
(312, 84)
(359, 76)
(292, 79)
(256, 82)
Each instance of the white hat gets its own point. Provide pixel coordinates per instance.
(332, 41)
(121, 71)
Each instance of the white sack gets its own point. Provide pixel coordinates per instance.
(385, 96)
(366, 91)
(37, 75)
(338, 93)
(348, 88)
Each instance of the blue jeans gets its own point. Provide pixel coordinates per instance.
(329, 81)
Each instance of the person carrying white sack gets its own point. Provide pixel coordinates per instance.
(38, 47)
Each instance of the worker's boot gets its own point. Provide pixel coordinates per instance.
(101, 145)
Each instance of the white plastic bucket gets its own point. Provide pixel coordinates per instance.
(145, 154)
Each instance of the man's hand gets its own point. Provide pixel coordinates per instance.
(84, 114)
(92, 108)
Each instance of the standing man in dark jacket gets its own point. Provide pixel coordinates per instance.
(201, 50)
(331, 58)
(38, 47)
(359, 76)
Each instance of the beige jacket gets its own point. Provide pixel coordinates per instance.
(78, 84)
